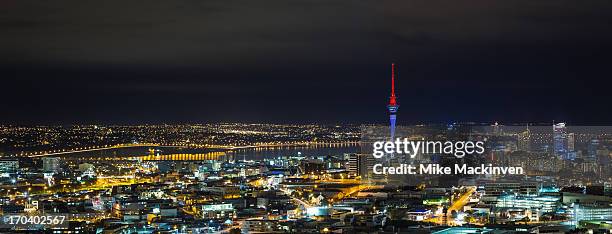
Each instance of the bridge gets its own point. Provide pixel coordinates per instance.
(186, 145)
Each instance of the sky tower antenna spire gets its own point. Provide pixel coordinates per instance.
(392, 99)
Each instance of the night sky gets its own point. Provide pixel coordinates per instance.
(301, 61)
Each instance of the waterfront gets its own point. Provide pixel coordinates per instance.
(195, 154)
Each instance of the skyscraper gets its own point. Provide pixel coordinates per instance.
(571, 142)
(393, 105)
(524, 140)
(592, 150)
(560, 140)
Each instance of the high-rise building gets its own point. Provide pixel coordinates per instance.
(560, 140)
(51, 165)
(497, 129)
(366, 168)
(571, 141)
(354, 164)
(592, 150)
(524, 140)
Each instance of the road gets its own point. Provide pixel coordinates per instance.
(306, 205)
(459, 203)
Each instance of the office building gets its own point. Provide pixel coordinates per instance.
(560, 140)
(51, 165)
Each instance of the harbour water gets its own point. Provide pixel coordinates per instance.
(191, 154)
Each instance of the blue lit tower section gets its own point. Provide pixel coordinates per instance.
(393, 106)
(560, 140)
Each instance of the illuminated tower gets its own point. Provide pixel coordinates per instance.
(393, 106)
(560, 140)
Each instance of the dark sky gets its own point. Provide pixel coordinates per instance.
(159, 61)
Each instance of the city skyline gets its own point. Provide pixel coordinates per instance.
(244, 178)
(282, 116)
